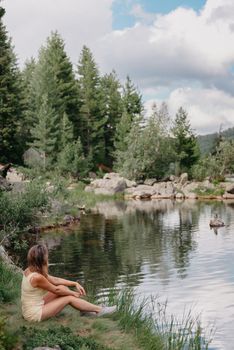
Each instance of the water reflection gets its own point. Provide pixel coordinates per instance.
(160, 247)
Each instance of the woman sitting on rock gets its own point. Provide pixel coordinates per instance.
(44, 296)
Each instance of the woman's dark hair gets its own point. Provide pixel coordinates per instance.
(38, 259)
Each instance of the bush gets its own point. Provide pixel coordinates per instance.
(7, 339)
(18, 210)
(9, 283)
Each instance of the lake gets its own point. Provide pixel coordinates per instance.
(161, 248)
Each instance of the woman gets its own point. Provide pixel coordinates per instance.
(44, 296)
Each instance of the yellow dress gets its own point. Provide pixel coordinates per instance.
(31, 299)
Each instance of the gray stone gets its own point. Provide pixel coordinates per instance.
(104, 191)
(110, 176)
(150, 182)
(230, 188)
(115, 184)
(179, 195)
(130, 183)
(4, 184)
(183, 178)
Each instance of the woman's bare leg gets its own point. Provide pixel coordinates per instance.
(53, 307)
(49, 297)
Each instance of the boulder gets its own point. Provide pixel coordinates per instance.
(179, 195)
(172, 178)
(191, 195)
(150, 182)
(207, 184)
(227, 195)
(183, 179)
(143, 191)
(4, 185)
(130, 183)
(164, 190)
(116, 185)
(104, 191)
(230, 188)
(110, 176)
(189, 190)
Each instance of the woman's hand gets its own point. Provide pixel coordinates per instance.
(80, 289)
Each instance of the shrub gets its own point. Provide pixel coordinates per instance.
(9, 283)
(7, 339)
(18, 210)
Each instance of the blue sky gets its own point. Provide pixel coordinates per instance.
(122, 9)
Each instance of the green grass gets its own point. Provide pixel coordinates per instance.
(154, 329)
(204, 191)
(9, 284)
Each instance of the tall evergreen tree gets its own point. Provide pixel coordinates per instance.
(92, 119)
(29, 100)
(10, 98)
(132, 109)
(67, 135)
(185, 142)
(45, 132)
(132, 100)
(54, 77)
(111, 109)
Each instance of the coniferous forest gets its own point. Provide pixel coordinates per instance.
(54, 115)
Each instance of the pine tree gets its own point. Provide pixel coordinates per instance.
(54, 77)
(10, 98)
(45, 132)
(132, 100)
(185, 142)
(121, 133)
(93, 122)
(111, 109)
(67, 135)
(132, 110)
(29, 100)
(71, 160)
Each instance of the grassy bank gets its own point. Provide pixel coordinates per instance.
(137, 325)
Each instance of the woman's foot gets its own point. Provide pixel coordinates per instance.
(105, 310)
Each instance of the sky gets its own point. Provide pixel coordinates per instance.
(177, 51)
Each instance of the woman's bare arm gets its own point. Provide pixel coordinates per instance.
(61, 281)
(39, 281)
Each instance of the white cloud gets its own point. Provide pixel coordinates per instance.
(79, 22)
(207, 109)
(186, 55)
(182, 44)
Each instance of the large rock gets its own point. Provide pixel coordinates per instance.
(130, 183)
(143, 192)
(14, 176)
(150, 182)
(189, 190)
(110, 176)
(104, 191)
(114, 185)
(164, 190)
(230, 188)
(4, 185)
(183, 178)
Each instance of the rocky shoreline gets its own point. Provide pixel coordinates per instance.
(172, 188)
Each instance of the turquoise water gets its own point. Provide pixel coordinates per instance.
(162, 248)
